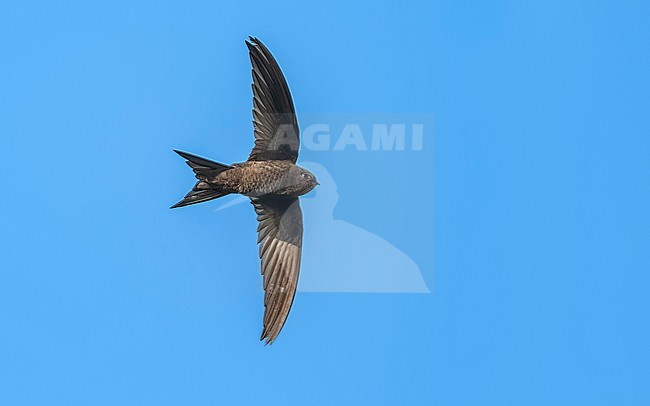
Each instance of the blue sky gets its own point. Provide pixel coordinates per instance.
(526, 211)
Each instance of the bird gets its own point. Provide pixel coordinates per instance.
(272, 181)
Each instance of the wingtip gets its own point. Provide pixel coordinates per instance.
(267, 336)
(268, 341)
(253, 42)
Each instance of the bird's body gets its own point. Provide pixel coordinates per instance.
(264, 178)
(273, 182)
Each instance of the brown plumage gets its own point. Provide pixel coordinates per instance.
(272, 181)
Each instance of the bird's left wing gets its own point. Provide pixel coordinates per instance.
(274, 117)
(280, 239)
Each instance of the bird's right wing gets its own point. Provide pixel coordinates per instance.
(280, 239)
(274, 117)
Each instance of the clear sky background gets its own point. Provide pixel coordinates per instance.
(526, 210)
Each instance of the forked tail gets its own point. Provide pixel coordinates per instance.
(204, 169)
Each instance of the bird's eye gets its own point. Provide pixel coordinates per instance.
(304, 175)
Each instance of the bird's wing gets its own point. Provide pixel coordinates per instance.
(274, 118)
(280, 243)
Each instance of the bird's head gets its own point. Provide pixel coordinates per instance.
(300, 181)
(308, 180)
